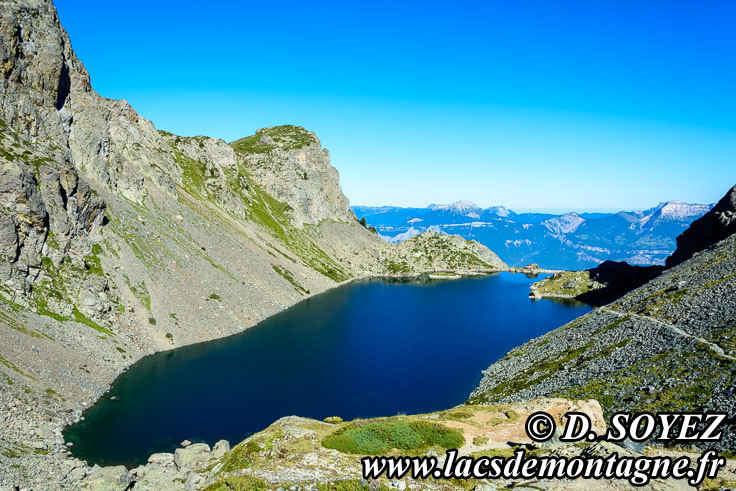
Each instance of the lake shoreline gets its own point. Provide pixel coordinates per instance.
(484, 323)
(73, 408)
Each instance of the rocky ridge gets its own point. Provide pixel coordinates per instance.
(571, 241)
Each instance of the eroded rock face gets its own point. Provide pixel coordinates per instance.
(46, 96)
(291, 165)
(47, 213)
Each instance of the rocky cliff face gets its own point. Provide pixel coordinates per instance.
(290, 164)
(47, 97)
(717, 224)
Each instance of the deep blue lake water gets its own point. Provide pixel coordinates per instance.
(370, 348)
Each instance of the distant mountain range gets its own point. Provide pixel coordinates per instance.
(567, 241)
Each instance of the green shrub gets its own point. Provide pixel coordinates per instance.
(480, 440)
(376, 437)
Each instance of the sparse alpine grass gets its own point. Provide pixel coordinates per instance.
(382, 436)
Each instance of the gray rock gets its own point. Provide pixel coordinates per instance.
(45, 434)
(77, 474)
(115, 478)
(191, 456)
(220, 449)
(162, 459)
(636, 447)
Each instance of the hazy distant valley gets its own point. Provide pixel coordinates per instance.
(568, 241)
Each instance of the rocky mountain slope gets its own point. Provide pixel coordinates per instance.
(571, 241)
(669, 345)
(118, 240)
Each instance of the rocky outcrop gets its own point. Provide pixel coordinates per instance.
(565, 284)
(717, 224)
(289, 163)
(49, 216)
(47, 97)
(597, 286)
(432, 251)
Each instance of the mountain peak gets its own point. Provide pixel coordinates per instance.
(461, 206)
(563, 224)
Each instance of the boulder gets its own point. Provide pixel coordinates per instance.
(221, 448)
(191, 456)
(115, 478)
(161, 459)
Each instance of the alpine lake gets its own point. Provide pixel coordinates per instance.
(369, 348)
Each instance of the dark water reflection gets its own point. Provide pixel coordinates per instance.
(370, 348)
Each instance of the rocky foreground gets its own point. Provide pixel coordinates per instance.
(301, 453)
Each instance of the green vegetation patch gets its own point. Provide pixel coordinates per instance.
(509, 417)
(238, 483)
(286, 136)
(382, 436)
(351, 485)
(13, 367)
(612, 325)
(243, 455)
(394, 267)
(77, 316)
(92, 262)
(567, 283)
(141, 293)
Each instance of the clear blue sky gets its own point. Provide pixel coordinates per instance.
(529, 104)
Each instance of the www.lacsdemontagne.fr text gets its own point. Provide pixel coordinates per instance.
(637, 470)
